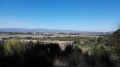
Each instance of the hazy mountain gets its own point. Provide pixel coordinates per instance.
(48, 30)
(32, 30)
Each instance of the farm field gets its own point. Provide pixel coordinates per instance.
(42, 36)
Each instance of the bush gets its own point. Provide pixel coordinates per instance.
(101, 56)
(76, 57)
(13, 46)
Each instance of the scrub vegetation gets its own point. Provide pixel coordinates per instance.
(103, 51)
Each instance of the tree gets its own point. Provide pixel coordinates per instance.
(116, 41)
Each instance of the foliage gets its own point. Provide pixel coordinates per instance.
(29, 54)
(101, 56)
(12, 46)
(114, 43)
(101, 40)
(75, 57)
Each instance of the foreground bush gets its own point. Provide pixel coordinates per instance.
(15, 53)
(101, 56)
(13, 46)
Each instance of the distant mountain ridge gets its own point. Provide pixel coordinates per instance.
(32, 30)
(47, 30)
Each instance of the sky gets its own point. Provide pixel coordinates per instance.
(79, 15)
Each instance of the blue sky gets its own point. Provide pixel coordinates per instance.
(81, 15)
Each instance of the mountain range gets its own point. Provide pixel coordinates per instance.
(47, 30)
(32, 30)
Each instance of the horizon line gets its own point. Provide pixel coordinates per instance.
(54, 29)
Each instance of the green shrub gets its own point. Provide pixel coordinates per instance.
(76, 57)
(12, 46)
(101, 56)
